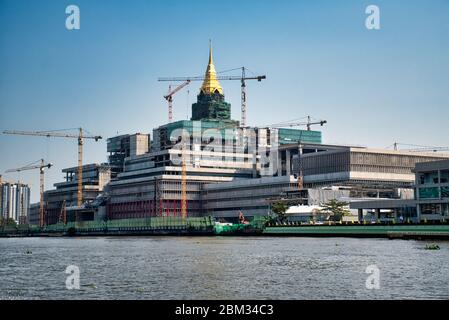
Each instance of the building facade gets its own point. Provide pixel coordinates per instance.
(432, 190)
(95, 178)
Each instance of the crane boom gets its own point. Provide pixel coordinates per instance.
(307, 124)
(50, 134)
(171, 93)
(38, 166)
(418, 148)
(80, 137)
(201, 78)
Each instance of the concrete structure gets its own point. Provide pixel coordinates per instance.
(33, 215)
(226, 200)
(363, 166)
(215, 148)
(95, 178)
(123, 146)
(231, 168)
(386, 210)
(432, 190)
(431, 203)
(253, 197)
(14, 201)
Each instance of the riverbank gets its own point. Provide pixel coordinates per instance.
(421, 231)
(406, 231)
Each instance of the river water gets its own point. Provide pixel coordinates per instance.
(222, 268)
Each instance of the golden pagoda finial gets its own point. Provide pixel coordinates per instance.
(210, 83)
(211, 60)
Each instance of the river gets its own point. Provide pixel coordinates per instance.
(222, 268)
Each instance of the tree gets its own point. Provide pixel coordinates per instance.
(336, 209)
(8, 222)
(279, 208)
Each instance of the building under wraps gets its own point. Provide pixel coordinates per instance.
(228, 168)
(215, 150)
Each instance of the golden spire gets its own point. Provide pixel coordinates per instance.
(210, 83)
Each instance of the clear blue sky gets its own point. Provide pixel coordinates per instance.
(373, 86)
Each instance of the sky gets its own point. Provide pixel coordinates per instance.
(374, 87)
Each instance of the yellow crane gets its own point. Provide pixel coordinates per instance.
(41, 166)
(80, 136)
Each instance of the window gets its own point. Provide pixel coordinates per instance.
(430, 208)
(428, 177)
(445, 209)
(444, 192)
(421, 178)
(445, 176)
(429, 193)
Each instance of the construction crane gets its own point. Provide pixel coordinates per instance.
(41, 166)
(307, 124)
(418, 148)
(242, 78)
(169, 98)
(59, 134)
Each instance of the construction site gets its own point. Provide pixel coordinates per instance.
(192, 174)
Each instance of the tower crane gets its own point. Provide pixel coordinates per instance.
(41, 166)
(242, 78)
(169, 97)
(80, 137)
(418, 148)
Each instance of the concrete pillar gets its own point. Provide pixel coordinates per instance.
(288, 163)
(378, 214)
(279, 163)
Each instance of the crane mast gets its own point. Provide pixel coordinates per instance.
(243, 99)
(80, 169)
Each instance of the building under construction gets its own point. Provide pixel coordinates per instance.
(214, 165)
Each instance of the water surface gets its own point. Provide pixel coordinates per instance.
(222, 268)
